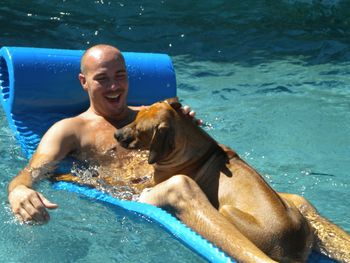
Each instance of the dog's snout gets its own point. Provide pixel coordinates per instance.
(124, 137)
(118, 135)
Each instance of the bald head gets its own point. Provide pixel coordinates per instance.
(97, 54)
(104, 77)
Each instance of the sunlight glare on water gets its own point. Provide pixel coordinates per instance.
(269, 78)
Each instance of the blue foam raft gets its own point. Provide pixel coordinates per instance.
(40, 86)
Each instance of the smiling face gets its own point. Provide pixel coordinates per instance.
(105, 79)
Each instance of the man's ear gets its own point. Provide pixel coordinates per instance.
(174, 103)
(82, 80)
(162, 143)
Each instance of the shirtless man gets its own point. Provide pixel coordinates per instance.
(90, 136)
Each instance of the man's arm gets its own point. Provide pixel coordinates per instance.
(26, 203)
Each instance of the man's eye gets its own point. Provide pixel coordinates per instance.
(101, 79)
(120, 76)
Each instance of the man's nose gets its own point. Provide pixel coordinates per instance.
(114, 85)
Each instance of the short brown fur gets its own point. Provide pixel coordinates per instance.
(178, 146)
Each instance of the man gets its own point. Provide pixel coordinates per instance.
(90, 136)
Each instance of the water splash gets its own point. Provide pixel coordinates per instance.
(122, 176)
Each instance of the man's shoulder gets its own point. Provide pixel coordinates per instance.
(68, 126)
(71, 121)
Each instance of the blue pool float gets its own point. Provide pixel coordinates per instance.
(39, 87)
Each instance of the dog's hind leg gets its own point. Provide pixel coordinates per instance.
(183, 197)
(244, 221)
(247, 224)
(329, 239)
(284, 238)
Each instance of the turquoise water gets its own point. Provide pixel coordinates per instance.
(269, 78)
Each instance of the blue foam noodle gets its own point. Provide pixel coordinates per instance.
(174, 226)
(39, 87)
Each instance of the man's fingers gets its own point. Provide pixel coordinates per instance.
(23, 216)
(38, 210)
(199, 122)
(47, 203)
(33, 213)
(185, 109)
(19, 217)
(192, 113)
(29, 205)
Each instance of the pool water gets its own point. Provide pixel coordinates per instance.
(269, 78)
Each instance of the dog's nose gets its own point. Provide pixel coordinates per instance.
(118, 135)
(124, 137)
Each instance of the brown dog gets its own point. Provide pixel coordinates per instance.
(178, 146)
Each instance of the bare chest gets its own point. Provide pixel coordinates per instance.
(112, 163)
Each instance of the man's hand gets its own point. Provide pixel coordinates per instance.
(29, 205)
(187, 111)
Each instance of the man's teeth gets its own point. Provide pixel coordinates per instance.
(115, 96)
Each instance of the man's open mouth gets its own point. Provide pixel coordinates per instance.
(113, 97)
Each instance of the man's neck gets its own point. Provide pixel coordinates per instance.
(118, 121)
(127, 117)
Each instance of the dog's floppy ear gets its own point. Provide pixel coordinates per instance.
(162, 143)
(174, 103)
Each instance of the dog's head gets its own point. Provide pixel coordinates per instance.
(153, 130)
